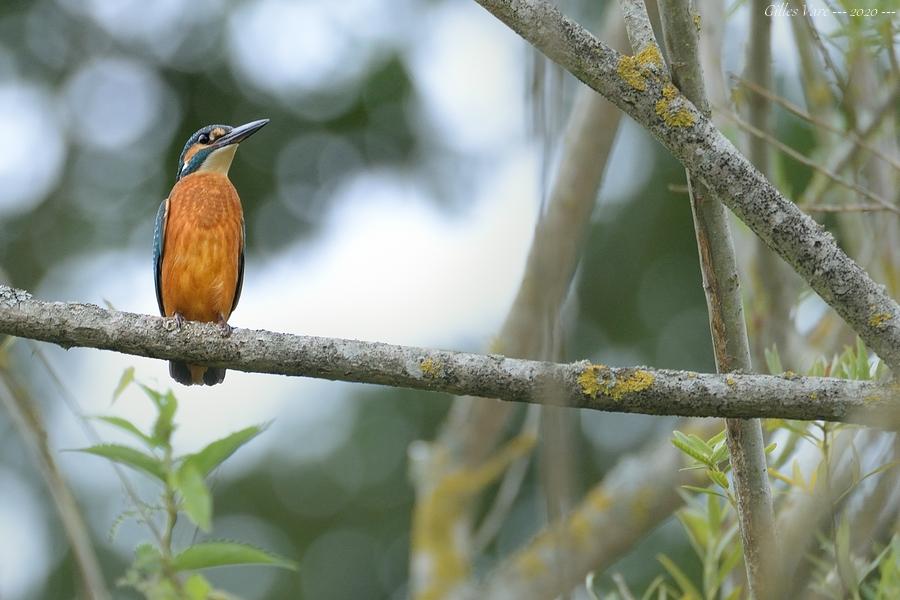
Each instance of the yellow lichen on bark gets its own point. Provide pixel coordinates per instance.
(600, 379)
(439, 512)
(675, 116)
(430, 367)
(635, 69)
(879, 319)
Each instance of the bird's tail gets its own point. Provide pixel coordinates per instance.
(186, 374)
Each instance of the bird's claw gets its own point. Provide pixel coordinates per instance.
(175, 322)
(224, 328)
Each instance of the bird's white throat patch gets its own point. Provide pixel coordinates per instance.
(219, 161)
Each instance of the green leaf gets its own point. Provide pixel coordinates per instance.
(129, 427)
(845, 566)
(124, 381)
(220, 554)
(703, 490)
(720, 452)
(166, 405)
(716, 439)
(215, 453)
(129, 456)
(692, 446)
(718, 477)
(147, 558)
(862, 360)
(733, 555)
(684, 582)
(714, 515)
(197, 587)
(696, 527)
(197, 499)
(656, 583)
(818, 368)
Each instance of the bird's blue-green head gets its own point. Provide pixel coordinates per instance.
(212, 148)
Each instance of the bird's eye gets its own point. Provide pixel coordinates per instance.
(203, 139)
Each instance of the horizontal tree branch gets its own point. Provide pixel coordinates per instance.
(640, 87)
(579, 384)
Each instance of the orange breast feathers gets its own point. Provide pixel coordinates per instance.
(203, 242)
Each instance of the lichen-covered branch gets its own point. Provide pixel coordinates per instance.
(640, 87)
(580, 384)
(638, 494)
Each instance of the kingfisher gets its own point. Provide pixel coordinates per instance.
(198, 241)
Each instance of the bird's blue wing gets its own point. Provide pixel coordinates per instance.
(240, 277)
(159, 239)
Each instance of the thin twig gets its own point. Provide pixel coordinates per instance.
(637, 24)
(826, 56)
(809, 163)
(843, 208)
(721, 285)
(797, 110)
(846, 151)
(25, 417)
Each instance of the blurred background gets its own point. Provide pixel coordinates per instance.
(393, 197)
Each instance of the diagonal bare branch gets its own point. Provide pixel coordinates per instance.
(639, 86)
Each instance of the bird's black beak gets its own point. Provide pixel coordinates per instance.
(239, 134)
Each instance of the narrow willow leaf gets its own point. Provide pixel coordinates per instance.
(714, 515)
(720, 452)
(692, 446)
(124, 381)
(195, 495)
(781, 476)
(684, 582)
(696, 527)
(716, 439)
(129, 456)
(703, 490)
(129, 427)
(215, 453)
(166, 405)
(862, 360)
(845, 566)
(718, 477)
(656, 583)
(220, 554)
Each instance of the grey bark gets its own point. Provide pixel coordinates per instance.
(579, 384)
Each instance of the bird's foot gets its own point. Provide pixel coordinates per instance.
(175, 323)
(224, 328)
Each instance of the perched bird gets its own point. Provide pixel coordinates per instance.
(198, 242)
